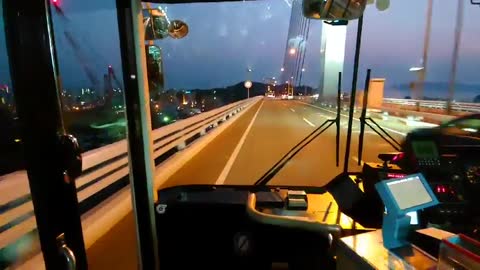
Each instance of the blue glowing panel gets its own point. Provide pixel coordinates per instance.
(403, 197)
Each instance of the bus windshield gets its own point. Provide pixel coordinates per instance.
(235, 86)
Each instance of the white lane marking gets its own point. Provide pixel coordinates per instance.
(365, 132)
(322, 115)
(356, 160)
(344, 115)
(308, 122)
(223, 175)
(292, 110)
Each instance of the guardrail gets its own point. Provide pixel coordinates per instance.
(433, 104)
(105, 170)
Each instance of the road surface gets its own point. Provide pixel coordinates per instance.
(246, 150)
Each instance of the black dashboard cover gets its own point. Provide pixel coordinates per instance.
(200, 227)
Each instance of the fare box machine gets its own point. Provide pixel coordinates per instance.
(401, 244)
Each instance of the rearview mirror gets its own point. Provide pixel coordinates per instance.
(177, 29)
(334, 10)
(156, 24)
(154, 69)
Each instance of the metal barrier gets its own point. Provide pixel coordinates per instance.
(433, 104)
(105, 170)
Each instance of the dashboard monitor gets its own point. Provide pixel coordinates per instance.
(425, 149)
(402, 197)
(407, 194)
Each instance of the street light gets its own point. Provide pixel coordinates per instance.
(248, 85)
(415, 69)
(416, 86)
(282, 69)
(292, 51)
(303, 70)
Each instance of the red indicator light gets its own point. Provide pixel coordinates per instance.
(395, 175)
(398, 157)
(442, 189)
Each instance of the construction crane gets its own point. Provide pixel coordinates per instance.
(83, 59)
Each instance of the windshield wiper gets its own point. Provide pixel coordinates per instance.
(307, 140)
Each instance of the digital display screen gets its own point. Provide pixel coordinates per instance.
(409, 192)
(425, 149)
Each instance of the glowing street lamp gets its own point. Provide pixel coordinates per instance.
(415, 69)
(292, 51)
(282, 69)
(417, 85)
(248, 85)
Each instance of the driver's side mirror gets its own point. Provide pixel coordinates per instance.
(158, 26)
(334, 10)
(154, 69)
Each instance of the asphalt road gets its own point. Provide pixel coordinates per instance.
(246, 150)
(278, 126)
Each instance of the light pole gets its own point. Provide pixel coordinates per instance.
(456, 47)
(304, 87)
(418, 71)
(247, 85)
